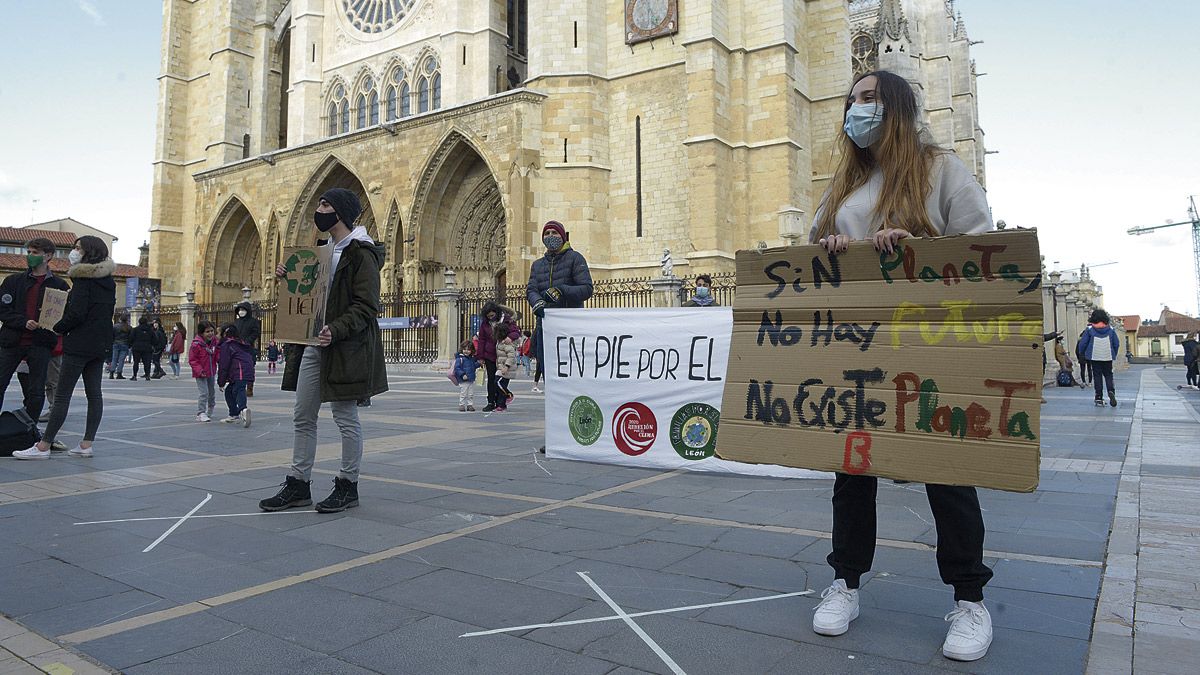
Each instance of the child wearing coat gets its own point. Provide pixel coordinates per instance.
(1100, 346)
(465, 366)
(506, 361)
(202, 357)
(235, 370)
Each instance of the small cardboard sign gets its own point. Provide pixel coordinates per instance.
(54, 305)
(302, 293)
(922, 365)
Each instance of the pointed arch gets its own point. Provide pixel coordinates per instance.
(233, 253)
(332, 172)
(393, 232)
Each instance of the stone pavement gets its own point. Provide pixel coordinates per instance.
(467, 542)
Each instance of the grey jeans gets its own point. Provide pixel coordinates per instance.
(207, 398)
(308, 407)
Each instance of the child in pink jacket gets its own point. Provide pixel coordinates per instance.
(203, 358)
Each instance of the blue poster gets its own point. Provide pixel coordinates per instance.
(131, 290)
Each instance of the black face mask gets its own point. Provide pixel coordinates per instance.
(325, 221)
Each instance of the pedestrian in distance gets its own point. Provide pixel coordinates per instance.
(559, 279)
(250, 328)
(702, 297)
(141, 343)
(465, 368)
(1191, 350)
(22, 338)
(1100, 346)
(160, 346)
(120, 348)
(86, 330)
(1085, 367)
(523, 350)
(345, 367)
(178, 343)
(202, 357)
(235, 369)
(494, 328)
(273, 353)
(1066, 369)
(891, 184)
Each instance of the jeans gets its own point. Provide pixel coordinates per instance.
(143, 359)
(956, 515)
(207, 400)
(38, 358)
(175, 365)
(120, 351)
(1102, 375)
(235, 397)
(92, 370)
(308, 407)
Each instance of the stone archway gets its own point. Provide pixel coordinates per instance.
(458, 220)
(332, 173)
(234, 259)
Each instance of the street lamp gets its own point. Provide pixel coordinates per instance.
(1055, 277)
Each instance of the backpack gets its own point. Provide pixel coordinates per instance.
(526, 346)
(1064, 378)
(18, 431)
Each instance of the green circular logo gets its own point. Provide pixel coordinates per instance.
(694, 431)
(585, 420)
(306, 263)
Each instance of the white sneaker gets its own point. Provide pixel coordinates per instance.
(79, 451)
(838, 607)
(536, 390)
(970, 632)
(201, 417)
(31, 453)
(246, 418)
(231, 419)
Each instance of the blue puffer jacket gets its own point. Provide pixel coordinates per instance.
(465, 367)
(565, 270)
(1100, 343)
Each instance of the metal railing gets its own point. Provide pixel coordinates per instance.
(724, 287)
(418, 342)
(619, 293)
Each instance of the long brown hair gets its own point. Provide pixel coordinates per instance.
(906, 162)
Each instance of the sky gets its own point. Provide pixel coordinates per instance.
(1090, 107)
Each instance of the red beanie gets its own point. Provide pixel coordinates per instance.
(556, 227)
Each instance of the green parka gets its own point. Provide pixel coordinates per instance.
(352, 368)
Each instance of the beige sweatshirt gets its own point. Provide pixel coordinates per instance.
(956, 203)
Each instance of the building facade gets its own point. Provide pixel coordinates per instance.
(702, 127)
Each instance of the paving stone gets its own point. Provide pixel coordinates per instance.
(68, 584)
(810, 658)
(1019, 651)
(142, 645)
(744, 570)
(490, 558)
(1082, 582)
(631, 586)
(68, 618)
(366, 579)
(247, 651)
(363, 535)
(756, 542)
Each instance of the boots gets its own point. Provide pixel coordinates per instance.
(295, 492)
(344, 496)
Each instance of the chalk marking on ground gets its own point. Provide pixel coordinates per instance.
(666, 658)
(212, 515)
(182, 520)
(137, 419)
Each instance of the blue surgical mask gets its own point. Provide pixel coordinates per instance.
(864, 123)
(702, 291)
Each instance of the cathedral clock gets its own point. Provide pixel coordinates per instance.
(376, 16)
(648, 19)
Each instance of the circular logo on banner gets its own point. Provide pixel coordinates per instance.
(585, 420)
(694, 430)
(634, 428)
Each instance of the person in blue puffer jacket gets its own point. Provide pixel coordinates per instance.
(559, 279)
(1100, 345)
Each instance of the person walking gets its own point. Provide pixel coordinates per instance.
(120, 348)
(178, 342)
(235, 368)
(22, 338)
(465, 368)
(86, 327)
(141, 343)
(890, 184)
(160, 346)
(559, 279)
(345, 367)
(1191, 349)
(202, 357)
(702, 297)
(249, 328)
(494, 328)
(1100, 346)
(1086, 374)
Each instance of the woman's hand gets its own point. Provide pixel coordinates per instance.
(885, 239)
(835, 243)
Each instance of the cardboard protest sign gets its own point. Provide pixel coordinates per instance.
(302, 293)
(54, 303)
(641, 387)
(923, 364)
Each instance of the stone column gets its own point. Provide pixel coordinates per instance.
(447, 328)
(187, 314)
(665, 292)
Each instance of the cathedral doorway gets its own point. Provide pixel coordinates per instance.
(235, 254)
(331, 174)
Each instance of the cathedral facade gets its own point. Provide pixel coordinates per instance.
(702, 127)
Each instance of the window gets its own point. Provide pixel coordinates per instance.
(366, 104)
(423, 95)
(437, 90)
(373, 108)
(360, 105)
(863, 54)
(405, 100)
(429, 85)
(397, 94)
(338, 111)
(345, 110)
(391, 102)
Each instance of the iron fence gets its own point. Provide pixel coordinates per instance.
(167, 315)
(724, 287)
(418, 342)
(620, 293)
(471, 302)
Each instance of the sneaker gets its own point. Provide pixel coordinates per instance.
(79, 451)
(31, 453)
(344, 496)
(58, 446)
(1112, 398)
(470, 408)
(838, 607)
(489, 407)
(970, 632)
(509, 399)
(132, 379)
(501, 408)
(232, 419)
(536, 390)
(462, 408)
(245, 418)
(120, 376)
(295, 492)
(1100, 402)
(201, 417)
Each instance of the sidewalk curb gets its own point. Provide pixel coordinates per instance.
(41, 654)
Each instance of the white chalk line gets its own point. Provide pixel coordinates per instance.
(136, 419)
(671, 610)
(666, 658)
(171, 529)
(213, 515)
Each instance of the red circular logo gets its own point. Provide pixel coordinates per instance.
(634, 428)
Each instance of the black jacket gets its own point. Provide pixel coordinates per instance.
(86, 325)
(121, 332)
(12, 309)
(160, 339)
(141, 340)
(248, 328)
(567, 271)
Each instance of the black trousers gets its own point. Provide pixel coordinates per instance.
(1085, 371)
(956, 515)
(494, 397)
(92, 370)
(143, 359)
(38, 358)
(1102, 375)
(1193, 373)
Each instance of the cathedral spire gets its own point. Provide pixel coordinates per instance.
(960, 28)
(892, 23)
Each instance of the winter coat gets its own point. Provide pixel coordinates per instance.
(489, 332)
(13, 292)
(235, 362)
(121, 333)
(506, 357)
(86, 325)
(203, 358)
(160, 339)
(142, 340)
(565, 270)
(248, 328)
(352, 366)
(177, 341)
(1189, 351)
(1099, 343)
(272, 352)
(465, 367)
(1060, 355)
(692, 303)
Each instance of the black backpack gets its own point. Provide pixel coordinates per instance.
(18, 431)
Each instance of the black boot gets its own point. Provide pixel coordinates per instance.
(295, 492)
(344, 496)
(1112, 398)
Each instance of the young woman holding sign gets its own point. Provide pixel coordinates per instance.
(892, 183)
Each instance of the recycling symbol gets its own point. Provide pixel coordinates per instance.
(306, 262)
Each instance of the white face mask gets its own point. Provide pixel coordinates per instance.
(864, 123)
(75, 257)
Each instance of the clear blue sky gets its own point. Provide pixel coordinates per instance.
(1091, 105)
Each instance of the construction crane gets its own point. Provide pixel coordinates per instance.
(1195, 223)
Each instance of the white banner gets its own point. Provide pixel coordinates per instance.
(641, 387)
